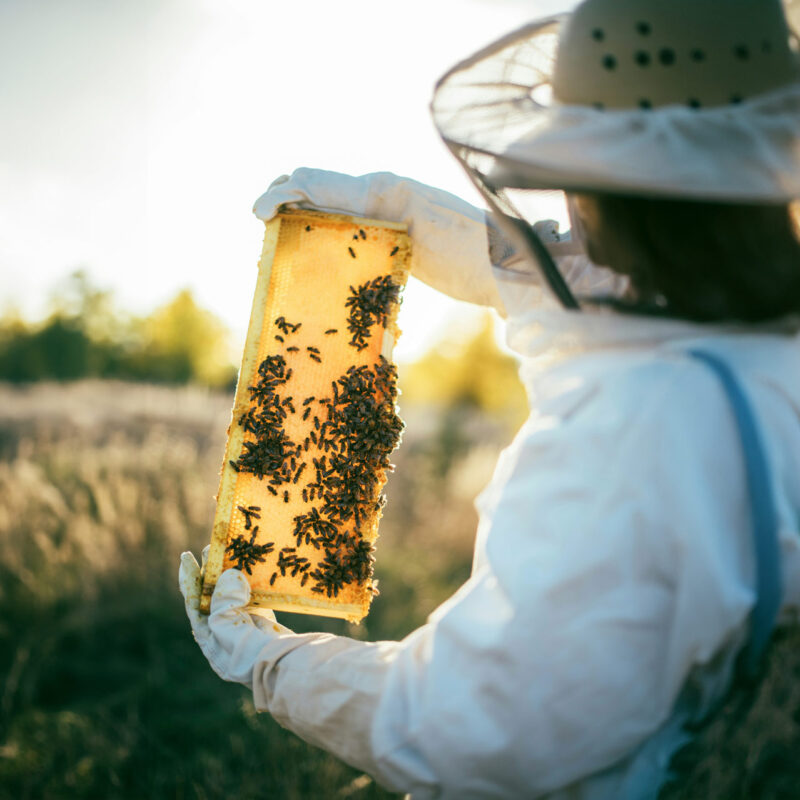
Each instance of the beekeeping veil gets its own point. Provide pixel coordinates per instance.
(693, 99)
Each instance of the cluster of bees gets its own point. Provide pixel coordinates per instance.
(353, 430)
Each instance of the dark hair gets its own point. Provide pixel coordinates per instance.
(702, 261)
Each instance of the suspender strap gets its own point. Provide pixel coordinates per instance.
(764, 514)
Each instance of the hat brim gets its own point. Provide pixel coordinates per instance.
(492, 111)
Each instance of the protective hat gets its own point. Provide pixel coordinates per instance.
(693, 99)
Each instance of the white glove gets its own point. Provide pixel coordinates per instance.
(231, 637)
(449, 244)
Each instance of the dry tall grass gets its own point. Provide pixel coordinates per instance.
(103, 693)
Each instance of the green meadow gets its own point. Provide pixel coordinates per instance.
(103, 692)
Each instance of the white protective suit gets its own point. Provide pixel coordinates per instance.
(613, 571)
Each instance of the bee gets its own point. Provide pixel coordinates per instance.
(352, 252)
(308, 227)
(330, 331)
(280, 338)
(394, 250)
(362, 234)
(249, 513)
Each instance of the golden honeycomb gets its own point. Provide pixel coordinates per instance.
(314, 418)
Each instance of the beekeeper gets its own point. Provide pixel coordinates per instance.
(641, 532)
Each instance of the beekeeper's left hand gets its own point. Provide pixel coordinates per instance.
(231, 636)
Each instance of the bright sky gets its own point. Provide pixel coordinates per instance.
(136, 135)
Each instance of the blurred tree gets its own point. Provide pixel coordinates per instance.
(183, 342)
(85, 336)
(472, 373)
(75, 298)
(58, 349)
(459, 376)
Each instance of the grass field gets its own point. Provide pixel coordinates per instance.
(103, 692)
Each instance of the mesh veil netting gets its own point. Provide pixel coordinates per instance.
(485, 104)
(482, 106)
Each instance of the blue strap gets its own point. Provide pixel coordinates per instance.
(764, 514)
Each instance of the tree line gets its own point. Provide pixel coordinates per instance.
(85, 336)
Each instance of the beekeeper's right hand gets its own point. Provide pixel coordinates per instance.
(449, 248)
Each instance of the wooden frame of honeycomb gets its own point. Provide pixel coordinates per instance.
(314, 418)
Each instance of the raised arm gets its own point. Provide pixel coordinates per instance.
(449, 240)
